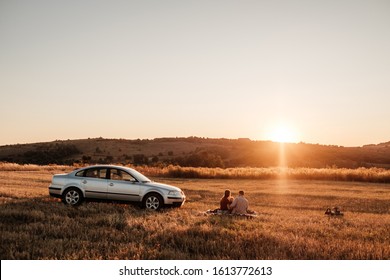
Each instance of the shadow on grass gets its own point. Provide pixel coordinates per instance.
(45, 228)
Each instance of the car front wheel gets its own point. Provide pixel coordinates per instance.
(153, 201)
(72, 197)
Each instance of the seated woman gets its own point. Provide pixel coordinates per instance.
(226, 200)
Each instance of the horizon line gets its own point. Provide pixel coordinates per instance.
(187, 137)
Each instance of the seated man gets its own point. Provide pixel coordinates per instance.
(240, 204)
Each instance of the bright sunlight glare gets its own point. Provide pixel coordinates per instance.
(282, 134)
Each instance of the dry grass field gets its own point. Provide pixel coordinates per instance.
(290, 225)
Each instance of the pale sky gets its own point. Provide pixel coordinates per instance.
(219, 69)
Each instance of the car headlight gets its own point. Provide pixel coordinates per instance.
(174, 193)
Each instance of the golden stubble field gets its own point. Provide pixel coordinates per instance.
(290, 225)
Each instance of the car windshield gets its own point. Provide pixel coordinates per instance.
(140, 177)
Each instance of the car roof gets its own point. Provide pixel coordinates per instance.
(139, 176)
(102, 166)
(105, 166)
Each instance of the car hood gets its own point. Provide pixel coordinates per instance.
(162, 186)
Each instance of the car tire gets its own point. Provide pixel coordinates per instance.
(153, 201)
(73, 197)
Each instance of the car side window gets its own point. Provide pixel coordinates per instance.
(80, 173)
(120, 175)
(96, 173)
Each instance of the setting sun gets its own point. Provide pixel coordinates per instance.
(282, 133)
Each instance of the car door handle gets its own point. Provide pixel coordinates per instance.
(84, 181)
(111, 184)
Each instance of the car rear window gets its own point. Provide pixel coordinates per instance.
(93, 173)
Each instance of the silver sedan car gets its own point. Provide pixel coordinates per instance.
(114, 183)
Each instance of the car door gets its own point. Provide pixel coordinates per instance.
(95, 183)
(122, 186)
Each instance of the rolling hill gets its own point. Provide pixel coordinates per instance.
(196, 151)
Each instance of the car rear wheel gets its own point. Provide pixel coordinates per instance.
(72, 197)
(153, 201)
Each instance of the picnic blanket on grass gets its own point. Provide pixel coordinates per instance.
(219, 212)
